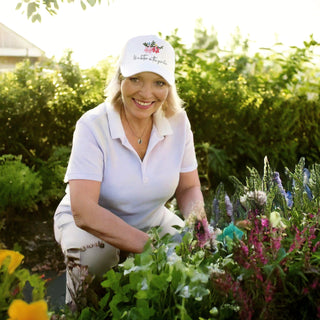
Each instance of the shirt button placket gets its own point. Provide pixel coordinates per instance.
(145, 179)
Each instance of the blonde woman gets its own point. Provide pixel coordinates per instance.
(130, 155)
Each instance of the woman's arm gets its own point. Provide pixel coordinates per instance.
(100, 222)
(189, 195)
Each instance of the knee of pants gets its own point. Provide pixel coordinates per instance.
(88, 250)
(99, 258)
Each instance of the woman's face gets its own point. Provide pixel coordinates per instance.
(143, 94)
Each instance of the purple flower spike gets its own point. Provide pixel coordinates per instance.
(229, 207)
(215, 211)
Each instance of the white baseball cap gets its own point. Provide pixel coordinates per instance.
(148, 54)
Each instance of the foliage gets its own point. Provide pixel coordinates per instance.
(19, 185)
(275, 267)
(265, 264)
(52, 174)
(39, 106)
(13, 281)
(33, 8)
(243, 106)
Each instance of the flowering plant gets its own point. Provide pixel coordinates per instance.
(20, 310)
(13, 280)
(257, 256)
(275, 269)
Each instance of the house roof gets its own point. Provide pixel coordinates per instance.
(14, 45)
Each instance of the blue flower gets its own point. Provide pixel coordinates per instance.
(306, 177)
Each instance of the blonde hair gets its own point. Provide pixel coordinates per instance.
(172, 105)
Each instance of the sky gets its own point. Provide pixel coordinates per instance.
(102, 30)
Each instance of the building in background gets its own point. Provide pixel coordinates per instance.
(14, 48)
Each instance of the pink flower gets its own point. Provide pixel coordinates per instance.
(269, 292)
(264, 222)
(316, 246)
(202, 232)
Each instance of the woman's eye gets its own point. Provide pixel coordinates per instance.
(134, 79)
(161, 83)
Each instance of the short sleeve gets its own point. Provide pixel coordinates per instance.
(189, 160)
(86, 159)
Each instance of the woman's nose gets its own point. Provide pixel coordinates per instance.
(146, 90)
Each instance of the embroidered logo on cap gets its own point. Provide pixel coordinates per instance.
(152, 47)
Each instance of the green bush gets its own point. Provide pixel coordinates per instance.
(40, 104)
(20, 187)
(52, 174)
(243, 107)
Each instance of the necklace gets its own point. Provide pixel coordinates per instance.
(143, 132)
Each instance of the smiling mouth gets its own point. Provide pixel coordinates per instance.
(142, 103)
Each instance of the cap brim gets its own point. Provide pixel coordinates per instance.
(146, 67)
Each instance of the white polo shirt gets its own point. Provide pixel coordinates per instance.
(133, 189)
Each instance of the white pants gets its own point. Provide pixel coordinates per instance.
(86, 253)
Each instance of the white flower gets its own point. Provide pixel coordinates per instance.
(243, 200)
(185, 293)
(275, 220)
(259, 197)
(144, 285)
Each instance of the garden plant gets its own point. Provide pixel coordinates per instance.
(264, 264)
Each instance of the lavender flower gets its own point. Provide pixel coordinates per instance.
(286, 195)
(306, 177)
(229, 207)
(289, 199)
(215, 212)
(276, 178)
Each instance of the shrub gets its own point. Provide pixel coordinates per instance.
(52, 174)
(40, 104)
(20, 187)
(244, 106)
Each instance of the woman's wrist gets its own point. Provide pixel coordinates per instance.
(196, 213)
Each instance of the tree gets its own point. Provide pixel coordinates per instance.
(33, 7)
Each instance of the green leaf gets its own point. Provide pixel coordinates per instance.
(32, 7)
(56, 5)
(91, 2)
(18, 5)
(159, 282)
(86, 314)
(183, 313)
(36, 17)
(112, 281)
(83, 5)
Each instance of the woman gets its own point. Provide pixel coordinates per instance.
(130, 155)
